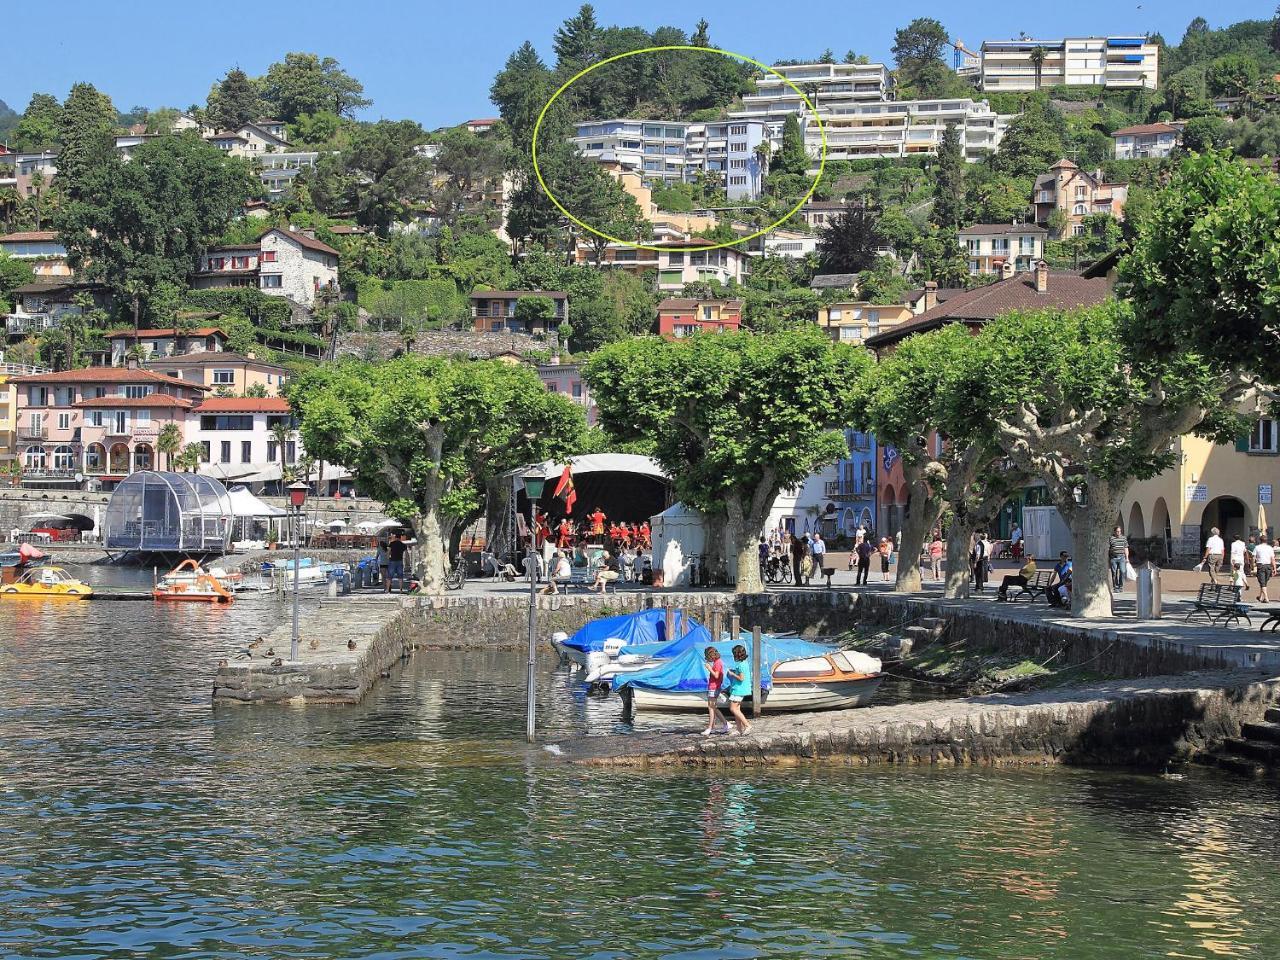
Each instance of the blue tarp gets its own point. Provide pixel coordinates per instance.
(648, 627)
(688, 671)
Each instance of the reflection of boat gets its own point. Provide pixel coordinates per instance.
(797, 676)
(49, 583)
(190, 581)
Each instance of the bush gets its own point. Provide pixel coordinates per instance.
(434, 302)
(264, 310)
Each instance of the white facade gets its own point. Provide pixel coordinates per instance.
(234, 433)
(826, 84)
(1151, 140)
(670, 152)
(678, 266)
(790, 243)
(296, 266)
(1127, 62)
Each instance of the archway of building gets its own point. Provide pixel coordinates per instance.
(1135, 526)
(143, 457)
(1229, 515)
(118, 458)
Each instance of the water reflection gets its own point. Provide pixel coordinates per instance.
(140, 820)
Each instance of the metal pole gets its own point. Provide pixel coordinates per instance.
(531, 562)
(293, 646)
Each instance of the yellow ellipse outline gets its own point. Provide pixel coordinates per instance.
(822, 159)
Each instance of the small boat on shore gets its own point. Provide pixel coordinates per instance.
(628, 631)
(189, 581)
(311, 572)
(46, 583)
(796, 676)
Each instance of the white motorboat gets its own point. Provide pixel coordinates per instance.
(835, 681)
(310, 572)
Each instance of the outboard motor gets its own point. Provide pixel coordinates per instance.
(557, 640)
(598, 663)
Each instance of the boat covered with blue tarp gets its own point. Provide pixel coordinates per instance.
(646, 629)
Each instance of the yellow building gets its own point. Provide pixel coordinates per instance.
(854, 320)
(1225, 486)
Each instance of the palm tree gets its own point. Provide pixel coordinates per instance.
(9, 200)
(1037, 61)
(169, 442)
(191, 457)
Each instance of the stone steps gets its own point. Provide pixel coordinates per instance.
(1267, 732)
(1272, 715)
(1261, 751)
(915, 637)
(1256, 752)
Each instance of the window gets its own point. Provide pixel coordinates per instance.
(94, 418)
(224, 453)
(737, 164)
(212, 421)
(286, 419)
(64, 421)
(1000, 246)
(273, 451)
(290, 451)
(577, 390)
(37, 424)
(1027, 245)
(1078, 230)
(217, 263)
(551, 387)
(738, 146)
(738, 181)
(119, 423)
(38, 396)
(204, 450)
(272, 281)
(142, 418)
(706, 313)
(135, 391)
(1081, 193)
(224, 377)
(1080, 210)
(675, 259)
(268, 256)
(1263, 438)
(975, 248)
(738, 130)
(246, 451)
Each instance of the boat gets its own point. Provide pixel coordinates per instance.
(627, 630)
(796, 676)
(310, 571)
(189, 581)
(47, 583)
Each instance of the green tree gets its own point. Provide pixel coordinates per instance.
(426, 435)
(1033, 142)
(577, 41)
(535, 311)
(847, 244)
(792, 157)
(1231, 76)
(948, 186)
(305, 83)
(139, 227)
(624, 306)
(1206, 133)
(729, 430)
(520, 91)
(169, 442)
(40, 126)
(1080, 409)
(14, 273)
(380, 176)
(234, 101)
(87, 127)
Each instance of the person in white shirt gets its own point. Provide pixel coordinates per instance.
(1237, 552)
(819, 551)
(1213, 551)
(1264, 566)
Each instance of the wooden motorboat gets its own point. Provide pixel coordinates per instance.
(47, 583)
(835, 681)
(189, 581)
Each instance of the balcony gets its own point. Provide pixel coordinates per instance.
(21, 324)
(851, 490)
(29, 432)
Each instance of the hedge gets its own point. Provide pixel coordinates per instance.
(265, 310)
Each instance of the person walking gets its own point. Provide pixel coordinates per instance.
(936, 549)
(1264, 565)
(716, 723)
(739, 688)
(396, 550)
(864, 550)
(1236, 552)
(978, 559)
(1118, 557)
(886, 556)
(798, 552)
(1213, 550)
(818, 550)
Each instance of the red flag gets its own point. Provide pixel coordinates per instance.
(565, 489)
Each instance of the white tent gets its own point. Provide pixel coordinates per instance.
(677, 532)
(596, 463)
(245, 504)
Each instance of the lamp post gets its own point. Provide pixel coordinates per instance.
(533, 487)
(297, 497)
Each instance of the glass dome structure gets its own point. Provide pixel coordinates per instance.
(174, 512)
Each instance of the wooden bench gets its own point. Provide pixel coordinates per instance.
(1037, 586)
(1220, 603)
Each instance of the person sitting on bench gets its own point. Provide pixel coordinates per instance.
(1058, 593)
(1021, 579)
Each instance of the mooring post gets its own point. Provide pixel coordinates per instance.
(735, 628)
(715, 626)
(755, 672)
(670, 613)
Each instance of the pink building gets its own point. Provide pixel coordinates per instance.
(100, 422)
(566, 379)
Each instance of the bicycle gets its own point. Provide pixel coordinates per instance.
(456, 578)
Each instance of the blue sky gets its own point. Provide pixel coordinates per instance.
(433, 61)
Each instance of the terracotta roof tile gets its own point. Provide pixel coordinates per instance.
(106, 375)
(516, 294)
(1142, 128)
(688, 303)
(1000, 229)
(154, 400)
(163, 332)
(243, 405)
(311, 243)
(1065, 291)
(30, 236)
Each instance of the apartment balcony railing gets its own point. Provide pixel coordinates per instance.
(23, 323)
(22, 369)
(29, 432)
(851, 490)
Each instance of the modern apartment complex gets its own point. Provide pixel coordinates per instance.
(1009, 66)
(827, 85)
(670, 152)
(903, 128)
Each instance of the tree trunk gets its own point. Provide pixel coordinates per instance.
(924, 509)
(431, 559)
(956, 584)
(740, 534)
(1091, 527)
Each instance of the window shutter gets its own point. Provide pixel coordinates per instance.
(1242, 444)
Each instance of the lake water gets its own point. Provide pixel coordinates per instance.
(138, 821)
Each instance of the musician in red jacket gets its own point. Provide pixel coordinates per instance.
(597, 519)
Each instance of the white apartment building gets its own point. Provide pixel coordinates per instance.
(903, 128)
(672, 152)
(1008, 66)
(825, 84)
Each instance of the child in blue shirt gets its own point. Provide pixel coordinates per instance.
(739, 687)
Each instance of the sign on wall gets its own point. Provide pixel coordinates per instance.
(1264, 493)
(1197, 492)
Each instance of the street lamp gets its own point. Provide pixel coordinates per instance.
(297, 497)
(533, 487)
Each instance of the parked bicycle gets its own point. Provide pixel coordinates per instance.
(456, 577)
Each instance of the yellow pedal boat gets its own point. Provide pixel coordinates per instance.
(50, 583)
